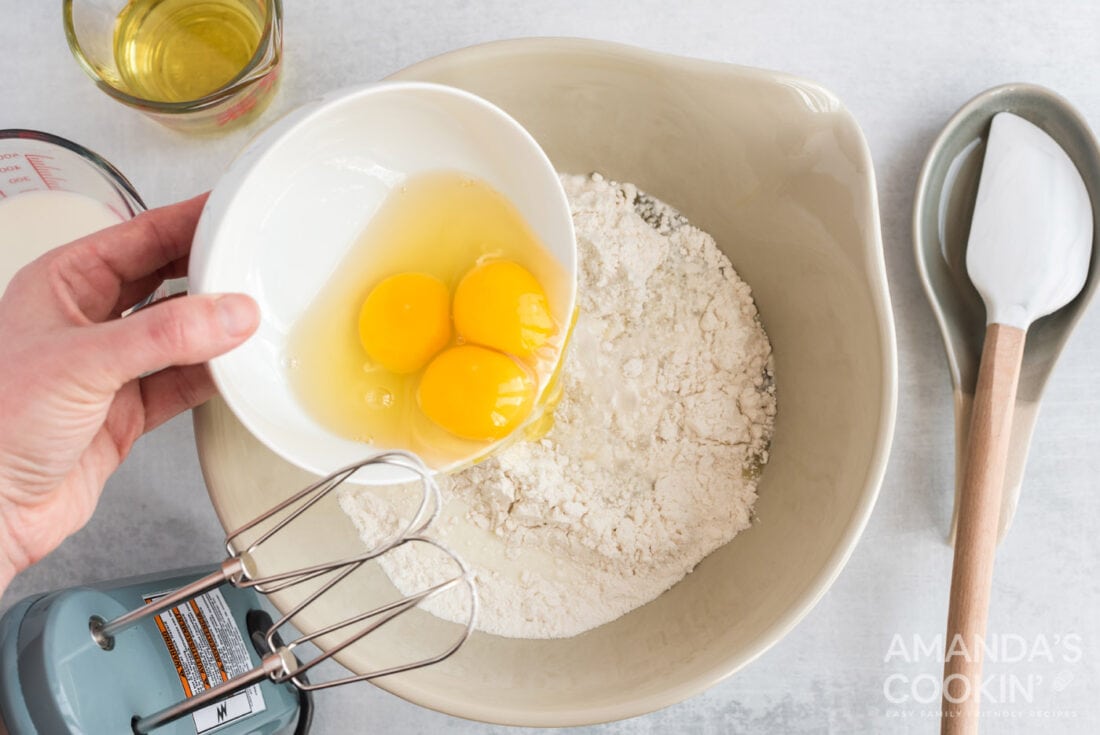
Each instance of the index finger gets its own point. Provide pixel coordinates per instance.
(92, 270)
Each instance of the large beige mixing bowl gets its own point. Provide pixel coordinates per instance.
(779, 172)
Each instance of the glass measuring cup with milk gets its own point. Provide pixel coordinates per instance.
(53, 191)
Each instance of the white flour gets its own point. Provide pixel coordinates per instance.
(664, 423)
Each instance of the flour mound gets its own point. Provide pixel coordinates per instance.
(666, 414)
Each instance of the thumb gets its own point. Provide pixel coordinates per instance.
(181, 331)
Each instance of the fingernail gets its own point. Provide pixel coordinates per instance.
(237, 314)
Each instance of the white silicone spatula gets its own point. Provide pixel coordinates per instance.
(1028, 255)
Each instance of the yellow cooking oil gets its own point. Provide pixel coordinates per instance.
(443, 224)
(183, 50)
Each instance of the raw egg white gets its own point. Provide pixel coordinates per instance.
(436, 334)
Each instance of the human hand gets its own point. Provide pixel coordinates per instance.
(72, 399)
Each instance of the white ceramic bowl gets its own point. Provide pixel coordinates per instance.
(778, 171)
(294, 201)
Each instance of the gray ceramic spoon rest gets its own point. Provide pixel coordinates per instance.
(941, 225)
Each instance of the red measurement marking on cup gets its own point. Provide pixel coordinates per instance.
(251, 98)
(45, 171)
(11, 171)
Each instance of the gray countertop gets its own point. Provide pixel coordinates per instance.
(855, 664)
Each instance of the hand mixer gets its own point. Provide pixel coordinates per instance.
(116, 658)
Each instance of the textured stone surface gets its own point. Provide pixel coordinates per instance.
(902, 69)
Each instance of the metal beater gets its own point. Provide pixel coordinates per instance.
(80, 706)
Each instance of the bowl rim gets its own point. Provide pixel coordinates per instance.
(875, 264)
(267, 144)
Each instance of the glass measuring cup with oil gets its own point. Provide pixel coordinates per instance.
(195, 65)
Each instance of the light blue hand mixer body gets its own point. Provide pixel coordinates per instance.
(54, 678)
(197, 651)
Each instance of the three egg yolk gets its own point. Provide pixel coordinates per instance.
(479, 388)
(476, 393)
(405, 321)
(500, 305)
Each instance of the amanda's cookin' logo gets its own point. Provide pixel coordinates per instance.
(1018, 686)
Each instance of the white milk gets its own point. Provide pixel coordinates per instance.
(37, 221)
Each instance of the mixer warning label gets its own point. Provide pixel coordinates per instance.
(207, 649)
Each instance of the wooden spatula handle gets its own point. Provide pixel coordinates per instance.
(976, 540)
